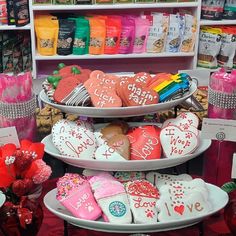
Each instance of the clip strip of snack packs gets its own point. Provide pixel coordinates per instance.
(75, 86)
(115, 34)
(133, 197)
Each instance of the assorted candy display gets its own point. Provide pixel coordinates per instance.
(14, 12)
(217, 47)
(133, 197)
(15, 52)
(75, 86)
(118, 142)
(153, 32)
(218, 10)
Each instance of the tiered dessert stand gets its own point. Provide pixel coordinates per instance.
(217, 197)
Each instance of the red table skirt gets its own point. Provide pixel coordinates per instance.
(54, 226)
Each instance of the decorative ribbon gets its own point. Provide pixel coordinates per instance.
(221, 100)
(18, 110)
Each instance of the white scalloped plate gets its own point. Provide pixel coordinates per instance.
(119, 111)
(2, 198)
(217, 197)
(138, 165)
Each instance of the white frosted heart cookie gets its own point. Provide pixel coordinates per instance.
(73, 140)
(182, 200)
(162, 179)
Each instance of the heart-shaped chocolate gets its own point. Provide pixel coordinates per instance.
(70, 91)
(186, 121)
(121, 144)
(176, 142)
(134, 94)
(145, 143)
(73, 140)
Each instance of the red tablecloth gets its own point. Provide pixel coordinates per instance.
(54, 226)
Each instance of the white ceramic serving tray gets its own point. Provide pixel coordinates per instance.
(217, 197)
(119, 111)
(138, 165)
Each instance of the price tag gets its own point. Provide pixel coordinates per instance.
(9, 135)
(233, 174)
(219, 129)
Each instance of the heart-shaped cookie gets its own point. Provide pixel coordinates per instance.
(186, 121)
(121, 144)
(107, 153)
(134, 94)
(102, 97)
(73, 140)
(142, 78)
(176, 142)
(70, 91)
(145, 143)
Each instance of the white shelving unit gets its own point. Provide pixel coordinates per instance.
(187, 58)
(165, 61)
(13, 27)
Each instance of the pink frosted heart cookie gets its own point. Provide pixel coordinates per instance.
(73, 140)
(74, 193)
(177, 143)
(142, 197)
(162, 179)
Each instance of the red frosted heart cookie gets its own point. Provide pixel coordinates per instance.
(70, 91)
(134, 94)
(142, 78)
(69, 70)
(102, 97)
(145, 143)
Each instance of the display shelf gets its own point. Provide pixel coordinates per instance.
(113, 6)
(114, 56)
(217, 22)
(13, 27)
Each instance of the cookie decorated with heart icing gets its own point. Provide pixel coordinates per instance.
(182, 200)
(126, 176)
(178, 143)
(70, 91)
(142, 198)
(145, 143)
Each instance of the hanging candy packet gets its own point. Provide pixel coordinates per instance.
(127, 35)
(7, 52)
(212, 10)
(230, 10)
(97, 35)
(82, 36)
(17, 54)
(228, 47)
(21, 12)
(3, 12)
(141, 34)
(157, 32)
(46, 30)
(189, 36)
(113, 31)
(10, 12)
(65, 36)
(209, 46)
(175, 32)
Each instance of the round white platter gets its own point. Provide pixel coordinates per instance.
(217, 197)
(119, 111)
(138, 165)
